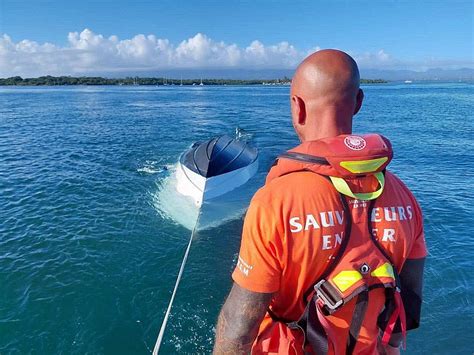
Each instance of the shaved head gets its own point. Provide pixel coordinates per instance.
(325, 95)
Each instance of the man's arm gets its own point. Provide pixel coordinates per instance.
(239, 320)
(411, 277)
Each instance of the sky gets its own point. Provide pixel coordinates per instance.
(65, 37)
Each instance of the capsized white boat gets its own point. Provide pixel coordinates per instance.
(215, 167)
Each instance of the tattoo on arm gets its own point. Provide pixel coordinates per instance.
(239, 321)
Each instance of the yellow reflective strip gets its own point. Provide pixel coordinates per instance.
(385, 270)
(341, 185)
(363, 166)
(346, 279)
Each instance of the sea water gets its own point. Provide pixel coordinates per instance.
(89, 250)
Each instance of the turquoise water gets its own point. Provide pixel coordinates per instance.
(88, 259)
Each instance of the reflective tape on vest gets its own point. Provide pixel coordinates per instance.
(341, 185)
(345, 279)
(385, 270)
(363, 166)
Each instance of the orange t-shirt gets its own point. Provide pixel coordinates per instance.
(293, 226)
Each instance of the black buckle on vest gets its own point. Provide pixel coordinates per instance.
(328, 294)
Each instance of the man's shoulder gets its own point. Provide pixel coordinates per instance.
(396, 189)
(291, 186)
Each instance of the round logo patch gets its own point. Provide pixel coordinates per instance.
(355, 142)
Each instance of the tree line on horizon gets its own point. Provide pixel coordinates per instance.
(96, 80)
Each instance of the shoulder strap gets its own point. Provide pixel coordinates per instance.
(378, 245)
(304, 158)
(335, 258)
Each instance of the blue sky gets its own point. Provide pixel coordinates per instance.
(382, 34)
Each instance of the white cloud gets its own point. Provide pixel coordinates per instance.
(380, 58)
(87, 53)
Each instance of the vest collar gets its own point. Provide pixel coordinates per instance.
(344, 156)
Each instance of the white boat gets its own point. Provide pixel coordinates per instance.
(215, 167)
(408, 81)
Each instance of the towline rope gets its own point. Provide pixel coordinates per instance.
(156, 349)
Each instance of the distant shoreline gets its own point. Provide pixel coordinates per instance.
(149, 81)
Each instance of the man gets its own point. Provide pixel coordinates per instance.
(297, 222)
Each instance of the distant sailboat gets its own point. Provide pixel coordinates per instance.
(181, 83)
(201, 83)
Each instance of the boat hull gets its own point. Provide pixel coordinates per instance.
(200, 188)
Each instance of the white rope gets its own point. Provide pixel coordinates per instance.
(178, 279)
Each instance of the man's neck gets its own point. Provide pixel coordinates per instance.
(324, 132)
(331, 122)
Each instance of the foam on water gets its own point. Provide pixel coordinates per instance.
(214, 212)
(153, 167)
(172, 205)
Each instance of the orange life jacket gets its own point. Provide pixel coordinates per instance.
(361, 263)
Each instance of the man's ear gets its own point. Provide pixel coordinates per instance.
(359, 99)
(299, 109)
